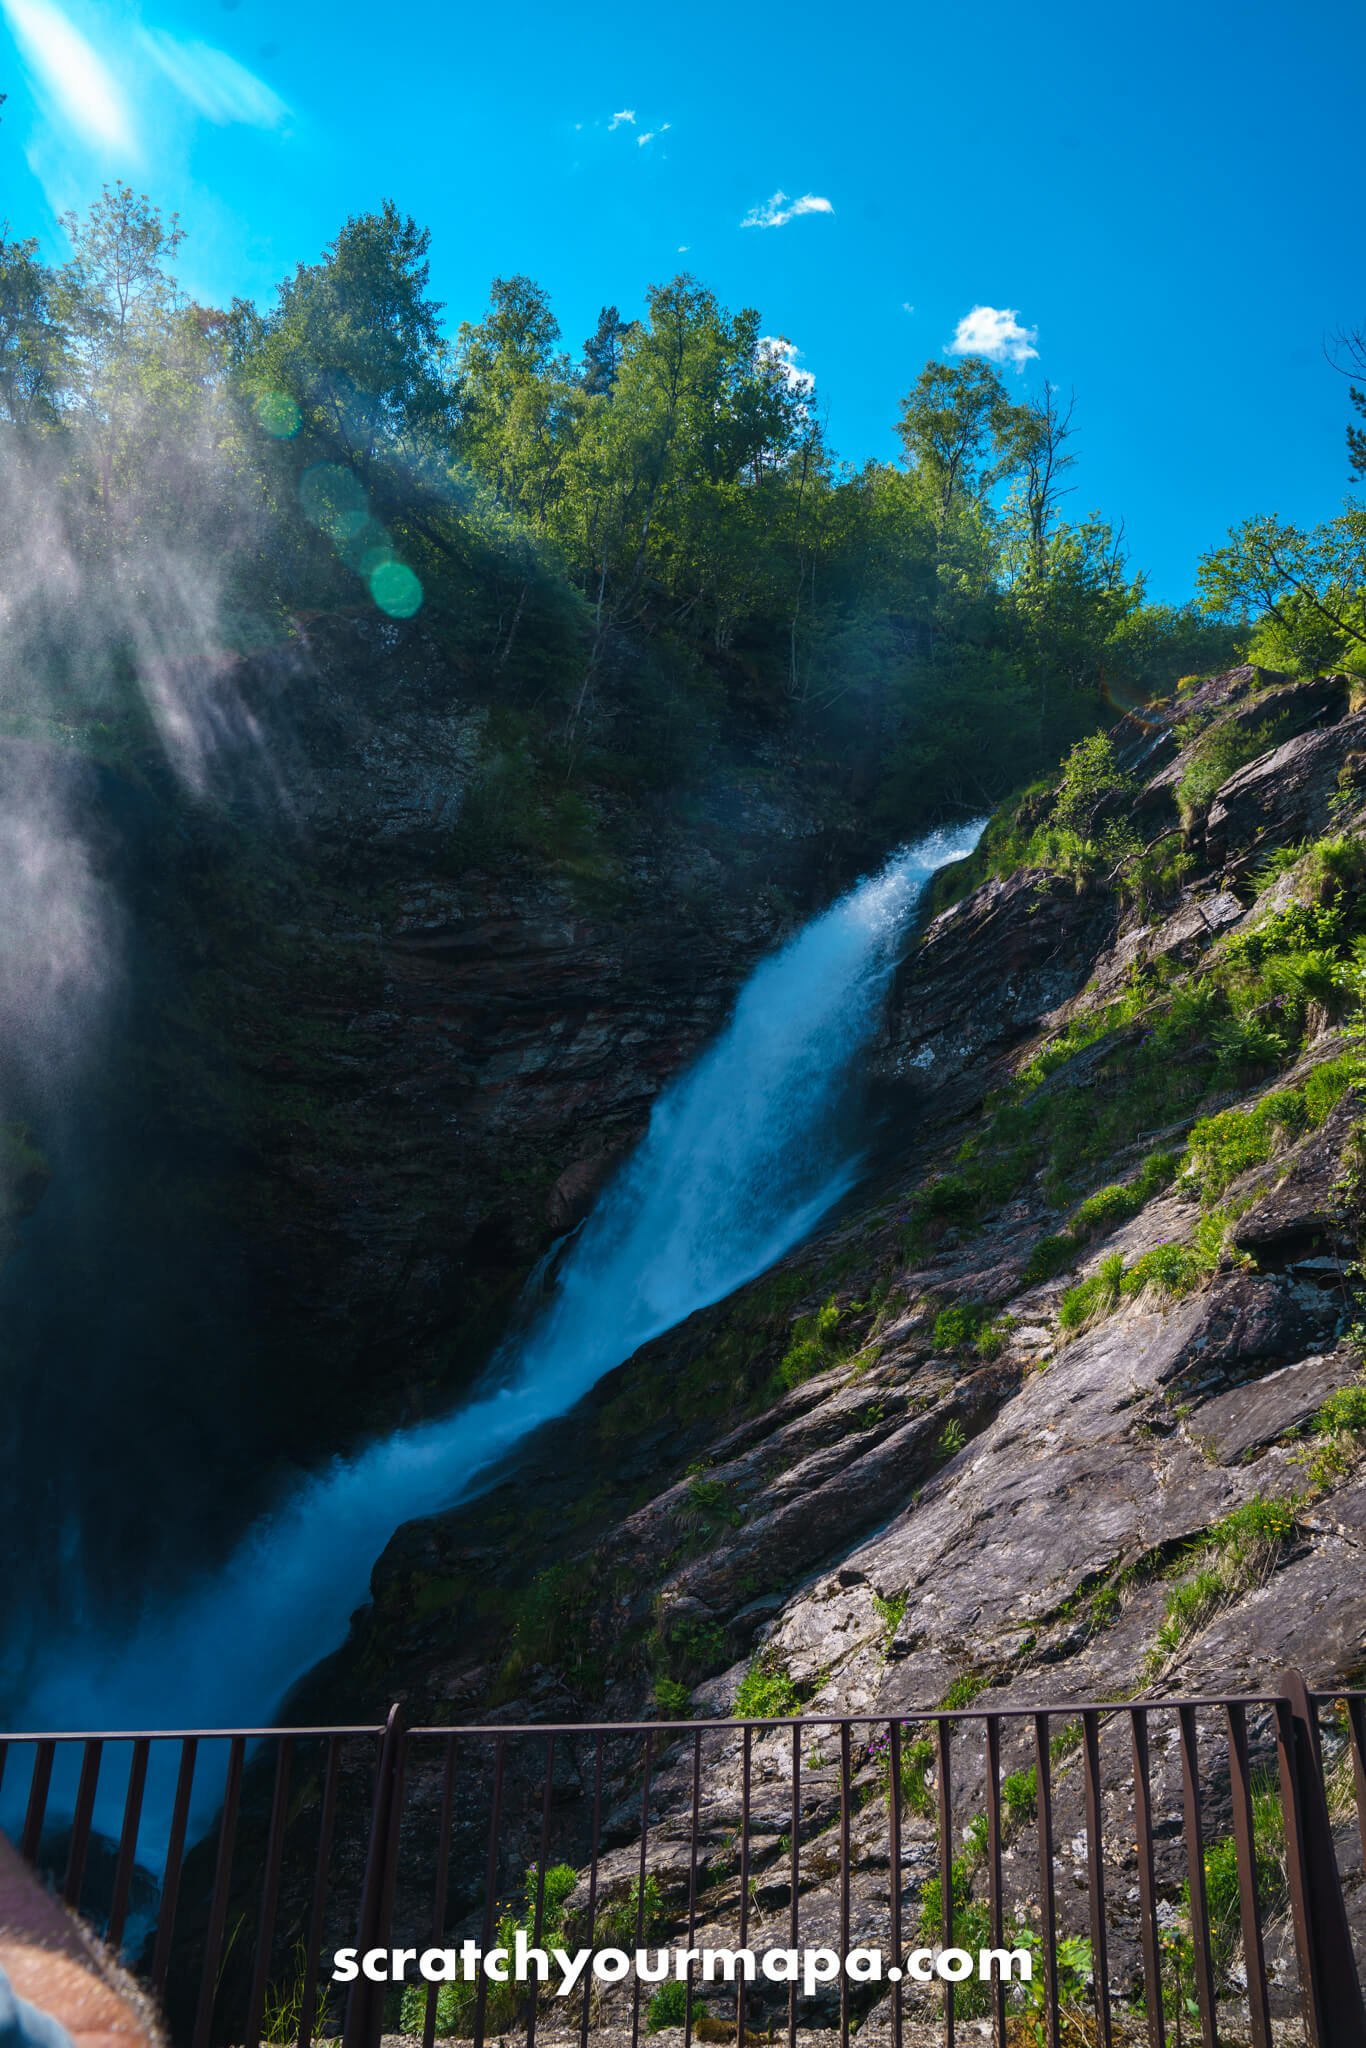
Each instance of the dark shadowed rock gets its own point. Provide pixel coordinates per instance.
(1308, 1215)
(1285, 793)
(988, 968)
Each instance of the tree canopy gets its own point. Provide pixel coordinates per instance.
(638, 548)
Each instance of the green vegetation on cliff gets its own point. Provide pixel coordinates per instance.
(626, 555)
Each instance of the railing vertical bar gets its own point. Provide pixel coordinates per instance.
(646, 1784)
(845, 1852)
(1316, 1882)
(538, 1917)
(1048, 1920)
(1195, 1872)
(313, 1951)
(995, 1884)
(692, 1879)
(942, 1728)
(1095, 1864)
(218, 1909)
(175, 1856)
(1147, 1879)
(128, 1843)
(894, 1866)
(92, 1751)
(31, 1840)
(746, 1780)
(440, 1883)
(481, 1996)
(590, 1938)
(1296, 1876)
(794, 1875)
(364, 2020)
(1356, 1721)
(1249, 1910)
(270, 1890)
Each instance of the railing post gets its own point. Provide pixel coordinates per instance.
(1334, 2015)
(364, 2022)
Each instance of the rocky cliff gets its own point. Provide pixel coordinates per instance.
(376, 1009)
(1066, 1405)
(1098, 1291)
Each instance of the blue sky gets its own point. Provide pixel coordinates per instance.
(1164, 206)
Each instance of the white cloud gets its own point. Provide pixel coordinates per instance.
(214, 83)
(780, 210)
(906, 306)
(626, 114)
(683, 248)
(648, 136)
(994, 332)
(72, 75)
(783, 354)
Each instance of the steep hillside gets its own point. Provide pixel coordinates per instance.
(1071, 1401)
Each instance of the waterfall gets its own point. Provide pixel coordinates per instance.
(744, 1153)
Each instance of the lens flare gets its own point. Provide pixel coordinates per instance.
(395, 589)
(278, 415)
(334, 501)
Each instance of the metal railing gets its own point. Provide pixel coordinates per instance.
(1177, 1870)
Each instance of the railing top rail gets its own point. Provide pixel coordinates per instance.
(25, 1735)
(978, 1711)
(1011, 1710)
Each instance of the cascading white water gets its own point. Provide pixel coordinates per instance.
(744, 1153)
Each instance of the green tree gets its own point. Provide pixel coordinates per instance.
(1306, 588)
(35, 369)
(602, 353)
(356, 343)
(949, 425)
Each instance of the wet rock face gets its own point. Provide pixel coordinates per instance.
(457, 1033)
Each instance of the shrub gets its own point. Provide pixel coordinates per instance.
(1343, 1411)
(813, 1348)
(692, 1649)
(615, 1926)
(1325, 1087)
(1170, 1269)
(1239, 1551)
(1336, 865)
(1050, 1256)
(889, 1612)
(1117, 1203)
(1219, 754)
(917, 1761)
(1222, 1891)
(766, 1693)
(1152, 880)
(1019, 1796)
(1224, 1146)
(1249, 1530)
(957, 1328)
(970, 1326)
(1188, 1607)
(1269, 869)
(964, 1690)
(673, 1701)
(1093, 1298)
(668, 2007)
(952, 1438)
(1091, 779)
